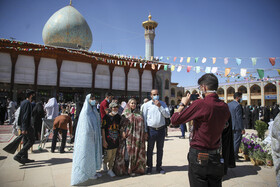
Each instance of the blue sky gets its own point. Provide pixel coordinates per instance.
(186, 28)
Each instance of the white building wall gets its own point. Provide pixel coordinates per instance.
(102, 77)
(147, 81)
(47, 72)
(5, 67)
(118, 79)
(25, 70)
(133, 80)
(75, 74)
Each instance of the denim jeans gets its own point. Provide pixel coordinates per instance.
(155, 136)
(205, 174)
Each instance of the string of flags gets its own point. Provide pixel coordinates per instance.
(168, 62)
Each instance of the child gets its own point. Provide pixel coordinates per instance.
(110, 137)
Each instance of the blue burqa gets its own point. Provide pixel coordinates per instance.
(87, 156)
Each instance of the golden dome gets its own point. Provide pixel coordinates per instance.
(150, 24)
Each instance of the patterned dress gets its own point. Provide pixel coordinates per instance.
(133, 146)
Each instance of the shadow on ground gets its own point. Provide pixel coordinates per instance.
(43, 163)
(241, 171)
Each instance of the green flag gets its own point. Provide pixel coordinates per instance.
(165, 67)
(196, 59)
(261, 73)
(254, 61)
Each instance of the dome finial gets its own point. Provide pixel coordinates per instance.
(70, 2)
(150, 16)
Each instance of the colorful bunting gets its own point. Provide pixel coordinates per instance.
(197, 69)
(153, 66)
(174, 58)
(165, 67)
(226, 60)
(243, 72)
(145, 65)
(203, 60)
(181, 60)
(172, 68)
(254, 61)
(189, 68)
(188, 59)
(238, 61)
(196, 59)
(159, 66)
(214, 70)
(272, 61)
(227, 71)
(214, 60)
(261, 73)
(179, 68)
(207, 69)
(278, 70)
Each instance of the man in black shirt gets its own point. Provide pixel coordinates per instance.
(24, 121)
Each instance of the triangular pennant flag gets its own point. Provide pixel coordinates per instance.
(254, 61)
(226, 60)
(131, 64)
(172, 68)
(135, 64)
(214, 60)
(165, 67)
(118, 62)
(227, 71)
(197, 69)
(153, 66)
(174, 58)
(196, 59)
(167, 58)
(189, 68)
(207, 69)
(161, 58)
(140, 65)
(272, 61)
(181, 60)
(179, 68)
(159, 66)
(261, 73)
(214, 69)
(152, 58)
(238, 61)
(188, 59)
(125, 63)
(278, 70)
(243, 72)
(203, 60)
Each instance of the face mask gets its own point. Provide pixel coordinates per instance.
(202, 94)
(92, 102)
(155, 97)
(114, 113)
(108, 100)
(240, 100)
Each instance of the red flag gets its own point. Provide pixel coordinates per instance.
(189, 68)
(174, 59)
(272, 61)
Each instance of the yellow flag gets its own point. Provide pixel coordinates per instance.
(152, 57)
(153, 66)
(214, 60)
(188, 59)
(278, 71)
(227, 71)
(172, 68)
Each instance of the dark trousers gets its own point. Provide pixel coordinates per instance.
(28, 141)
(155, 136)
(183, 129)
(54, 139)
(205, 174)
(237, 136)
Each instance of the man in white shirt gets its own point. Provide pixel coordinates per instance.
(154, 114)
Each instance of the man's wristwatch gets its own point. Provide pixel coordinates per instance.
(182, 104)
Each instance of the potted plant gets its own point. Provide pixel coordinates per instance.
(260, 127)
(259, 154)
(268, 151)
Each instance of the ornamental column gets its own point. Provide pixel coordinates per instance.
(14, 57)
(36, 62)
(140, 84)
(93, 69)
(278, 91)
(225, 93)
(248, 94)
(262, 94)
(58, 64)
(111, 68)
(126, 71)
(154, 77)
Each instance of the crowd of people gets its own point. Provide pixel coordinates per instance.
(113, 136)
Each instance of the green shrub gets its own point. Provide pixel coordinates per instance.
(261, 127)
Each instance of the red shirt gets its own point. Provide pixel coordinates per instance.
(209, 116)
(103, 105)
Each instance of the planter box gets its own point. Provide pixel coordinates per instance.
(269, 162)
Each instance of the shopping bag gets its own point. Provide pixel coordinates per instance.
(12, 147)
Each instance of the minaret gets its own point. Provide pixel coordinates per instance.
(149, 27)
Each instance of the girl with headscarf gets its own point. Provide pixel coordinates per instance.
(131, 155)
(87, 156)
(52, 108)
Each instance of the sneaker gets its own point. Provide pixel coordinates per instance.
(160, 170)
(18, 159)
(182, 137)
(111, 173)
(149, 171)
(105, 168)
(94, 177)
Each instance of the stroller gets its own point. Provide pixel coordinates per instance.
(47, 129)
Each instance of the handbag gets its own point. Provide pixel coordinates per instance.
(12, 147)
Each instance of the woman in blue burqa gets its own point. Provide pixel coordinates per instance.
(87, 156)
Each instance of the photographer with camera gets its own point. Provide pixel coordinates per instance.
(209, 115)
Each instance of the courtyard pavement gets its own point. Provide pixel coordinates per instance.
(54, 169)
